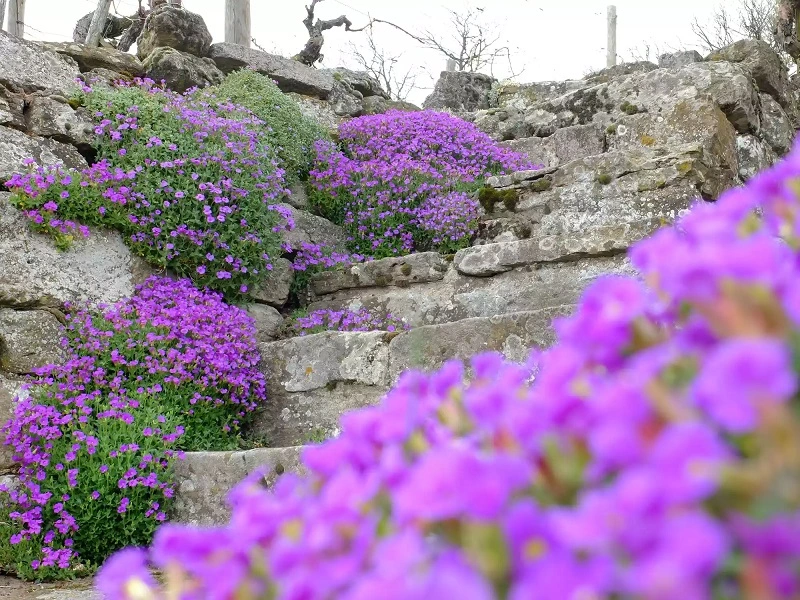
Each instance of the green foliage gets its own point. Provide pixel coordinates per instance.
(604, 178)
(628, 108)
(290, 132)
(489, 196)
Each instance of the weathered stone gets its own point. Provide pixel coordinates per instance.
(27, 67)
(514, 335)
(180, 70)
(528, 95)
(642, 66)
(569, 143)
(29, 340)
(10, 390)
(174, 28)
(676, 60)
(12, 106)
(98, 58)
(298, 196)
(114, 27)
(509, 124)
(776, 126)
(491, 259)
(313, 380)
(15, 147)
(345, 101)
(268, 322)
(50, 118)
(276, 289)
(312, 229)
(320, 111)
(375, 105)
(761, 62)
(754, 156)
(203, 480)
(360, 81)
(502, 229)
(290, 75)
(459, 297)
(103, 78)
(97, 269)
(399, 271)
(460, 91)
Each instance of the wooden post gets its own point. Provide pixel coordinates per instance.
(16, 18)
(2, 12)
(611, 47)
(237, 22)
(98, 24)
(451, 65)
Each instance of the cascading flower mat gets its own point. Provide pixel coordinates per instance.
(653, 452)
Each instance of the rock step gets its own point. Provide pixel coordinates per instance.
(203, 480)
(481, 281)
(313, 380)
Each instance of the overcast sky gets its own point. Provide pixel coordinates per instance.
(553, 39)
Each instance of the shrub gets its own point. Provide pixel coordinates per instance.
(189, 181)
(396, 173)
(288, 131)
(343, 320)
(170, 369)
(652, 452)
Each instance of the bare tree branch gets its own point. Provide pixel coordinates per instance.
(383, 67)
(312, 52)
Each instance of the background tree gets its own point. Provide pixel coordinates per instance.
(385, 68)
(312, 52)
(746, 19)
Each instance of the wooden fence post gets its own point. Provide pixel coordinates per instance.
(611, 47)
(98, 24)
(16, 18)
(237, 22)
(2, 12)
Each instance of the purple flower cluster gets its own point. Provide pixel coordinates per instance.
(397, 174)
(190, 180)
(345, 320)
(653, 452)
(170, 369)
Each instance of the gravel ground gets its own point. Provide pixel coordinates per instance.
(14, 589)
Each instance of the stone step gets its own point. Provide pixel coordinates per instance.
(482, 281)
(313, 380)
(203, 480)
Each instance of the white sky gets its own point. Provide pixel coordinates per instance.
(554, 39)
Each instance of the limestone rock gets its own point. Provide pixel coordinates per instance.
(761, 63)
(29, 340)
(203, 480)
(311, 229)
(290, 75)
(298, 196)
(275, 290)
(98, 58)
(346, 102)
(104, 78)
(642, 66)
(675, 60)
(181, 70)
(754, 156)
(319, 110)
(564, 145)
(28, 67)
(98, 269)
(12, 106)
(460, 92)
(528, 95)
(15, 147)
(491, 259)
(268, 322)
(375, 105)
(47, 117)
(514, 335)
(176, 28)
(776, 126)
(359, 81)
(395, 271)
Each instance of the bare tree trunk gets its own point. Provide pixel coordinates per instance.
(312, 52)
(788, 27)
(16, 18)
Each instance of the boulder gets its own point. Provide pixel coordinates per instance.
(290, 75)
(275, 290)
(29, 340)
(359, 81)
(607, 74)
(311, 229)
(523, 96)
(12, 106)
(115, 26)
(15, 147)
(180, 70)
(176, 28)
(268, 322)
(776, 126)
(676, 60)
(564, 145)
(754, 154)
(203, 480)
(27, 67)
(459, 91)
(762, 63)
(376, 105)
(33, 272)
(103, 78)
(48, 117)
(510, 123)
(98, 58)
(318, 110)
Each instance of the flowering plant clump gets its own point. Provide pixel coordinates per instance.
(191, 181)
(653, 452)
(310, 258)
(344, 320)
(401, 181)
(170, 369)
